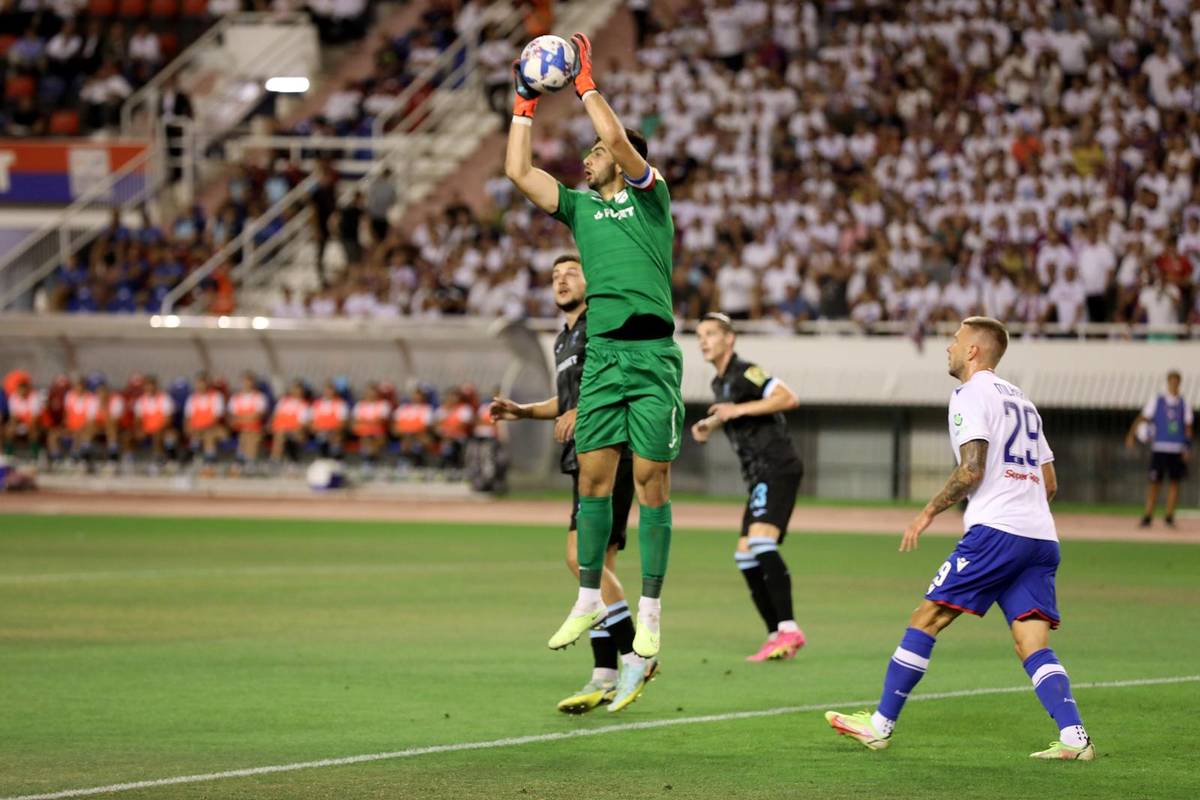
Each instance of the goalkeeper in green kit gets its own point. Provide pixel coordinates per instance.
(630, 393)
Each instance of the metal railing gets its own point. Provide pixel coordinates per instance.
(243, 245)
(143, 108)
(55, 243)
(452, 71)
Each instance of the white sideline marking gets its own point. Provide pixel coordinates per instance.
(154, 573)
(553, 737)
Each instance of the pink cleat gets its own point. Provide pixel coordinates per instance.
(786, 645)
(764, 652)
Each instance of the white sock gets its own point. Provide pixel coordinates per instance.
(789, 626)
(604, 674)
(587, 601)
(1073, 735)
(772, 636)
(882, 724)
(632, 659)
(649, 612)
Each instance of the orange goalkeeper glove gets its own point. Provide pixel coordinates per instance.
(583, 65)
(526, 99)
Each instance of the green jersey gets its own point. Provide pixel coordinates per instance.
(626, 245)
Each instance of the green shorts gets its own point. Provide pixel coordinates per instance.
(630, 394)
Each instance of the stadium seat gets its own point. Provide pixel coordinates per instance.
(164, 9)
(6, 41)
(102, 8)
(64, 123)
(195, 8)
(18, 86)
(169, 43)
(51, 90)
(132, 9)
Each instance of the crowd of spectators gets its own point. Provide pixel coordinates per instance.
(354, 106)
(915, 162)
(86, 422)
(67, 66)
(130, 268)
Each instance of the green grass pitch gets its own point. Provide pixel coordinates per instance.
(142, 649)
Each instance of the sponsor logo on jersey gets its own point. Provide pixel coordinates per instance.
(1013, 475)
(962, 563)
(624, 213)
(568, 363)
(958, 420)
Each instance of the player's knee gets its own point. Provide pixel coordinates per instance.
(653, 486)
(932, 618)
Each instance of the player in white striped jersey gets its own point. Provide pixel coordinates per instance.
(1009, 554)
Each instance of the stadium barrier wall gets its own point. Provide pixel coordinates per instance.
(872, 421)
(491, 354)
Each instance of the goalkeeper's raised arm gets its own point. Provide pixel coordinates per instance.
(538, 185)
(608, 126)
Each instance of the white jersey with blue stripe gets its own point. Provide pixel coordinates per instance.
(1011, 497)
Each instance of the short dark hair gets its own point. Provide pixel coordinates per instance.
(564, 258)
(636, 139)
(721, 319)
(995, 330)
(1174, 374)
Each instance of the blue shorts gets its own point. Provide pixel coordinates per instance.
(992, 566)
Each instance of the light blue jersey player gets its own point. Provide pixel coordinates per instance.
(1008, 555)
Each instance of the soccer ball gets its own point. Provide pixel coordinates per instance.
(325, 473)
(548, 63)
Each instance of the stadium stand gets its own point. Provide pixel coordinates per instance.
(917, 163)
(66, 67)
(871, 163)
(131, 269)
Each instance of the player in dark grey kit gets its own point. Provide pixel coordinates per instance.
(750, 405)
(615, 636)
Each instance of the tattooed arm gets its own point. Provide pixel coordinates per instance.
(966, 476)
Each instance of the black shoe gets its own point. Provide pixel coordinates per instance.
(1145, 523)
(1170, 521)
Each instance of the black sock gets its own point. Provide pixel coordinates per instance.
(777, 579)
(604, 650)
(748, 565)
(620, 625)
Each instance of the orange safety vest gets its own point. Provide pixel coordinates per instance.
(485, 423)
(247, 404)
(370, 417)
(328, 415)
(204, 410)
(291, 414)
(114, 411)
(24, 409)
(79, 409)
(456, 422)
(411, 419)
(154, 411)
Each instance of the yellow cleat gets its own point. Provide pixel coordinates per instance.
(594, 693)
(858, 727)
(1065, 752)
(575, 626)
(633, 682)
(646, 642)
